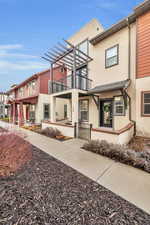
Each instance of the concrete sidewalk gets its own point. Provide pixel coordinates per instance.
(130, 183)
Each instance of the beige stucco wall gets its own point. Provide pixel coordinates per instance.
(119, 122)
(142, 123)
(89, 31)
(45, 99)
(65, 130)
(98, 73)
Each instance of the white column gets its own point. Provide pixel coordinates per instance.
(75, 108)
(69, 110)
(52, 109)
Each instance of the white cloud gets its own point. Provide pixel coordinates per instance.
(11, 46)
(6, 54)
(24, 65)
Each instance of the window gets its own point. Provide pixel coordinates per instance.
(84, 110)
(112, 56)
(119, 109)
(46, 111)
(84, 47)
(146, 103)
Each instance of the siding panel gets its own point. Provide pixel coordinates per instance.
(143, 45)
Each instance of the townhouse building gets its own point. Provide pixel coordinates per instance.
(107, 83)
(29, 101)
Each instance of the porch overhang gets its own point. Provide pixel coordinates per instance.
(68, 93)
(121, 85)
(28, 100)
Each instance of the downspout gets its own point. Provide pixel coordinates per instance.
(129, 73)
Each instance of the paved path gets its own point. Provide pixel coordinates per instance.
(130, 183)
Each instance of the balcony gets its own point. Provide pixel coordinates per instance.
(70, 82)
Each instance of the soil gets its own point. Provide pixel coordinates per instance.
(47, 192)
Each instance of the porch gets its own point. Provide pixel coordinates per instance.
(22, 111)
(92, 117)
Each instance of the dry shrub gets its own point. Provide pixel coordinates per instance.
(137, 144)
(14, 153)
(120, 153)
(51, 132)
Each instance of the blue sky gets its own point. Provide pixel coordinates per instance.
(29, 27)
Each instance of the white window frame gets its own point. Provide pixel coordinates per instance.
(143, 103)
(107, 58)
(119, 105)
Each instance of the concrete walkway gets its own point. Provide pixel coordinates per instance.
(130, 183)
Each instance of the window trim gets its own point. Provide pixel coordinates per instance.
(142, 104)
(44, 111)
(117, 45)
(84, 121)
(124, 111)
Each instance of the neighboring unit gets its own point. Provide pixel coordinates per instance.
(30, 100)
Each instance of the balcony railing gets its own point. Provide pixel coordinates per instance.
(70, 82)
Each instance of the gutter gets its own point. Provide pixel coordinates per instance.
(129, 73)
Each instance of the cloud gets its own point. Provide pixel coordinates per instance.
(6, 54)
(6, 66)
(11, 46)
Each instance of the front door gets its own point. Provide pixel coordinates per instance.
(106, 113)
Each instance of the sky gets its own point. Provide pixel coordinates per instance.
(28, 28)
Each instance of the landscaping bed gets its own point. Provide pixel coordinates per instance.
(48, 132)
(14, 152)
(47, 192)
(136, 156)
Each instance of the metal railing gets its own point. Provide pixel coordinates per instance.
(70, 82)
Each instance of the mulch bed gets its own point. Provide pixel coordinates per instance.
(47, 192)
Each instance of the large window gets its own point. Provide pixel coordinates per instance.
(112, 56)
(84, 110)
(146, 103)
(46, 111)
(119, 108)
(84, 47)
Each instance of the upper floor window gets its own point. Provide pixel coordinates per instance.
(21, 92)
(84, 47)
(146, 103)
(112, 56)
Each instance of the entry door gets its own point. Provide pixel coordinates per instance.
(106, 113)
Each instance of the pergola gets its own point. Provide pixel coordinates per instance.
(69, 56)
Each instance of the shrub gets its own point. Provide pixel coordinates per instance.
(51, 132)
(14, 153)
(120, 153)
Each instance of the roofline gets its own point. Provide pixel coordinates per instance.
(138, 11)
(34, 76)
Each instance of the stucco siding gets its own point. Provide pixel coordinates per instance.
(89, 31)
(142, 123)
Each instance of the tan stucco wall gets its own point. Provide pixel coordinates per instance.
(98, 73)
(89, 31)
(142, 123)
(119, 122)
(45, 99)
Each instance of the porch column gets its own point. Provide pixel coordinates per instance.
(53, 109)
(75, 108)
(69, 110)
(21, 116)
(14, 113)
(25, 113)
